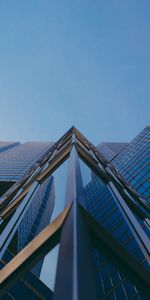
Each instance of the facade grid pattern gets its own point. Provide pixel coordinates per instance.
(100, 231)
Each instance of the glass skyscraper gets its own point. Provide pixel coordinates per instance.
(111, 283)
(111, 150)
(16, 161)
(133, 163)
(80, 204)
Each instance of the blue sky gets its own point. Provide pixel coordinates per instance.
(84, 63)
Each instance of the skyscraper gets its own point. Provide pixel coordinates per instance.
(99, 227)
(16, 161)
(111, 150)
(133, 163)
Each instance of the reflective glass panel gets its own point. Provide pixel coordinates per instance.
(111, 283)
(103, 206)
(48, 272)
(46, 204)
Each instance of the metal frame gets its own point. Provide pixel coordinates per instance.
(32, 253)
(38, 177)
(74, 263)
(109, 247)
(14, 222)
(75, 228)
(141, 237)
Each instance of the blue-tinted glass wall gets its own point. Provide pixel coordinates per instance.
(111, 283)
(134, 163)
(37, 216)
(15, 162)
(110, 150)
(4, 146)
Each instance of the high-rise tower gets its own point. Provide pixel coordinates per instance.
(133, 163)
(98, 226)
(16, 161)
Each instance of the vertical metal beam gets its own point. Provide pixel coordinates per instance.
(32, 253)
(14, 222)
(74, 188)
(74, 263)
(135, 227)
(111, 249)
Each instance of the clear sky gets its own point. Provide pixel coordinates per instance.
(84, 63)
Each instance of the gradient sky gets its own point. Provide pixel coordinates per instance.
(84, 63)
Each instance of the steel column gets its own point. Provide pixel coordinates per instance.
(74, 264)
(14, 222)
(109, 247)
(32, 253)
(138, 232)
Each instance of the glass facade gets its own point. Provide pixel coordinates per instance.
(15, 162)
(50, 261)
(96, 244)
(110, 150)
(37, 217)
(30, 287)
(4, 146)
(39, 213)
(133, 163)
(111, 284)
